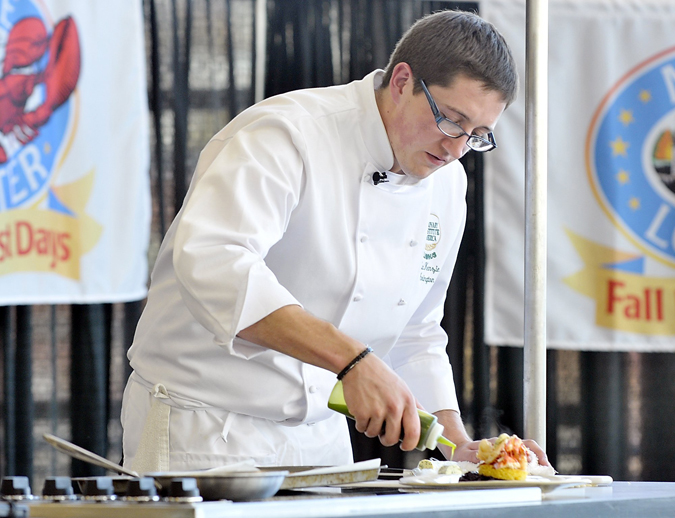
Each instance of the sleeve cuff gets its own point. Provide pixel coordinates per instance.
(264, 295)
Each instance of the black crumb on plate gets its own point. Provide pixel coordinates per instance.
(473, 476)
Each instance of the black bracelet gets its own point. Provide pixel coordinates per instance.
(353, 363)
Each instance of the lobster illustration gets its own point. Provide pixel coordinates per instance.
(26, 46)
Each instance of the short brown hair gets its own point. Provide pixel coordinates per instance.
(445, 44)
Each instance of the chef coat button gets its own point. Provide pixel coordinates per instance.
(366, 177)
(357, 298)
(312, 389)
(364, 239)
(413, 242)
(401, 302)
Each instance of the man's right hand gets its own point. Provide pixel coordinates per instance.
(378, 398)
(375, 395)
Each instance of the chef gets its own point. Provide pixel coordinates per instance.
(318, 238)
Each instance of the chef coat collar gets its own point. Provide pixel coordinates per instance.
(398, 183)
(373, 132)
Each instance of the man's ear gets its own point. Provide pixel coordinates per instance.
(401, 77)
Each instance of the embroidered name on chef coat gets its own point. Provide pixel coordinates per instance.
(430, 267)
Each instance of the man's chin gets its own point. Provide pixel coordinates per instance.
(420, 173)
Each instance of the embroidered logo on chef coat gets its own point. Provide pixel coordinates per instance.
(430, 269)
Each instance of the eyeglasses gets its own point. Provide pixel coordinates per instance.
(453, 130)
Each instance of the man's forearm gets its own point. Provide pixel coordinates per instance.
(293, 331)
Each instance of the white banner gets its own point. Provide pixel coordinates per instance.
(74, 152)
(611, 179)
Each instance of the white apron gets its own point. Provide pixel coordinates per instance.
(180, 434)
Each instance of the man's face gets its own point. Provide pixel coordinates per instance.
(419, 146)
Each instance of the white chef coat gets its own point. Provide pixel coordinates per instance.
(282, 209)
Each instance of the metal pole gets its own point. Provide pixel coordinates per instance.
(536, 121)
(25, 405)
(260, 48)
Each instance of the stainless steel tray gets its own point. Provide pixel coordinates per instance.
(319, 476)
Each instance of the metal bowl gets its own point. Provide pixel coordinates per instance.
(237, 486)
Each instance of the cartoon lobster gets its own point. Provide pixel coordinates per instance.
(27, 43)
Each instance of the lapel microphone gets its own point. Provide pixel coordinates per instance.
(379, 177)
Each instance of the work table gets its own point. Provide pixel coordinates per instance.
(616, 500)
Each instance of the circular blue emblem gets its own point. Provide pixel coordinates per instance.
(629, 155)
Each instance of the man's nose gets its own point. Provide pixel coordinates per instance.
(456, 147)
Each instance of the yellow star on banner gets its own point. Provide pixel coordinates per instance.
(645, 96)
(619, 147)
(626, 117)
(623, 177)
(634, 203)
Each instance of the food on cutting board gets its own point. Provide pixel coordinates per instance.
(442, 471)
(506, 459)
(438, 471)
(442, 467)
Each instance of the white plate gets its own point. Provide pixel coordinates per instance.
(545, 483)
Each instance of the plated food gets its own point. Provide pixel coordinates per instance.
(504, 463)
(441, 467)
(505, 459)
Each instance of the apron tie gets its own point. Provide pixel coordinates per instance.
(227, 425)
(153, 447)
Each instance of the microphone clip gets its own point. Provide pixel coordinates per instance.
(379, 177)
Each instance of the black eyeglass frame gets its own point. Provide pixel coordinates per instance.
(490, 140)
